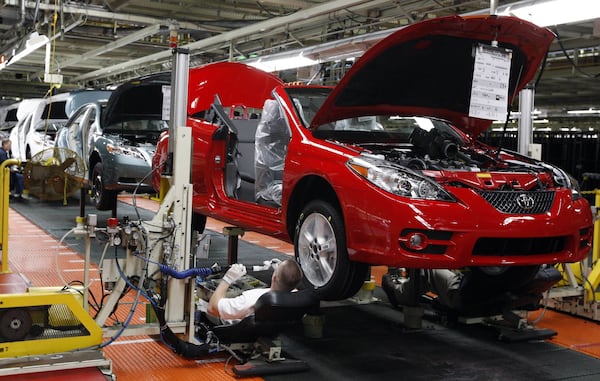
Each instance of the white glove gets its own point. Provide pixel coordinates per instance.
(235, 272)
(267, 265)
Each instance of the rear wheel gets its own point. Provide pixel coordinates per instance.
(104, 199)
(320, 248)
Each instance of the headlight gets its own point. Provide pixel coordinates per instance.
(563, 179)
(398, 180)
(117, 150)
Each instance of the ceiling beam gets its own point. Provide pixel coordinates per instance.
(115, 5)
(259, 27)
(131, 38)
(98, 12)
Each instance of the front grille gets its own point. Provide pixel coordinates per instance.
(515, 202)
(519, 246)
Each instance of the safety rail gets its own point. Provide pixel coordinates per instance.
(593, 278)
(4, 198)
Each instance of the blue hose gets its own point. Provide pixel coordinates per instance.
(201, 272)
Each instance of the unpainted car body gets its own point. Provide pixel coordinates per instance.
(117, 138)
(40, 119)
(8, 118)
(385, 168)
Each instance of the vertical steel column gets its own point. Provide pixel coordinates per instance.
(180, 292)
(493, 7)
(525, 136)
(178, 106)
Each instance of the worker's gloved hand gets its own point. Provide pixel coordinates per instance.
(235, 272)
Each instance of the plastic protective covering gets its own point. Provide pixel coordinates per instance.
(271, 142)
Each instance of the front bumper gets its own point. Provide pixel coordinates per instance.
(470, 232)
(126, 173)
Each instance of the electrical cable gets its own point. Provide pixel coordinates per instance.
(56, 253)
(133, 307)
(573, 64)
(539, 318)
(137, 187)
(57, 265)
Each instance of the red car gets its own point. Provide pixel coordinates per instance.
(384, 168)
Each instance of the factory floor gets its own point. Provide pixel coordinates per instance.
(37, 255)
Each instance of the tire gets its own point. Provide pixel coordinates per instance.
(103, 198)
(320, 249)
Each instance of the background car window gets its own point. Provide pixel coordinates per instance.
(55, 110)
(307, 101)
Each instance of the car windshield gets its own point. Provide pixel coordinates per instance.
(308, 100)
(388, 128)
(374, 128)
(138, 126)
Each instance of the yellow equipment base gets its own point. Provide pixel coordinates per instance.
(44, 322)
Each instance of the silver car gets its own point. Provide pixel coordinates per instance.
(117, 139)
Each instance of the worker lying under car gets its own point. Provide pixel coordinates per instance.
(286, 277)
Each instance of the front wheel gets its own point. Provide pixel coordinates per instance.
(320, 249)
(104, 199)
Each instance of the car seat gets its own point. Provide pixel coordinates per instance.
(274, 312)
(253, 341)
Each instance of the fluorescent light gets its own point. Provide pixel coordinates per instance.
(588, 111)
(555, 12)
(34, 42)
(283, 63)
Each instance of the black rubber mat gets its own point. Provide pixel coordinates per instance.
(369, 342)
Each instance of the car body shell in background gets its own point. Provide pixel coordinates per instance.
(103, 134)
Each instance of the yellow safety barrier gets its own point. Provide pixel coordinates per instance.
(4, 198)
(588, 271)
(593, 278)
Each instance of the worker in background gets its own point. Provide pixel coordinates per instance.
(286, 277)
(16, 178)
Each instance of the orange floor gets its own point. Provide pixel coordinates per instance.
(34, 253)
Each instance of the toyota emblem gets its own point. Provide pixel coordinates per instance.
(525, 201)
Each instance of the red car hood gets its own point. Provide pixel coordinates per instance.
(426, 69)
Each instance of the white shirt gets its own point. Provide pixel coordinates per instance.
(232, 310)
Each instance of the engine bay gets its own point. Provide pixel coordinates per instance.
(445, 159)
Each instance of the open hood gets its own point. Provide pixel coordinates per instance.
(427, 69)
(138, 99)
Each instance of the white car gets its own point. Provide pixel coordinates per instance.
(37, 130)
(25, 114)
(8, 118)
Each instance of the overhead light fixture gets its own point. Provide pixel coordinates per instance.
(34, 41)
(272, 64)
(554, 12)
(588, 111)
